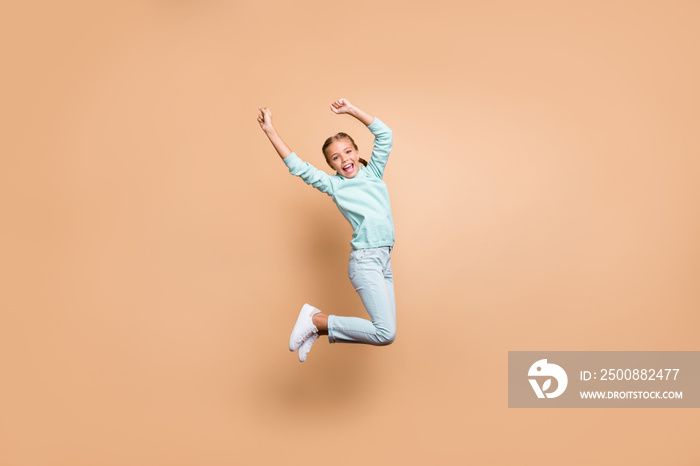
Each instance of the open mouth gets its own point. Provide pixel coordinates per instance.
(348, 167)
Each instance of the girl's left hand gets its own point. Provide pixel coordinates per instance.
(341, 106)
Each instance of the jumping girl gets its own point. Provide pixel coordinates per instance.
(362, 197)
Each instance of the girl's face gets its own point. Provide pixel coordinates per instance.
(343, 158)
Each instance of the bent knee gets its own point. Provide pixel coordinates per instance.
(386, 337)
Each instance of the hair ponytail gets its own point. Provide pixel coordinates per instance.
(363, 161)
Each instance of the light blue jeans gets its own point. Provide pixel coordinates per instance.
(369, 271)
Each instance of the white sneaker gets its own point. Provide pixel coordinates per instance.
(306, 346)
(304, 327)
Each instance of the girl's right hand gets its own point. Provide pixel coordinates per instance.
(265, 118)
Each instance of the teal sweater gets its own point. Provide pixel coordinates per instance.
(363, 199)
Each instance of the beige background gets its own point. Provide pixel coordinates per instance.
(155, 251)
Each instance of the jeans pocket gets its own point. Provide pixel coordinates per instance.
(355, 257)
(351, 269)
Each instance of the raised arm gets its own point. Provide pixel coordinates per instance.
(265, 120)
(344, 106)
(383, 136)
(304, 170)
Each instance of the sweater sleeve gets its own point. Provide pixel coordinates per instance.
(383, 141)
(310, 174)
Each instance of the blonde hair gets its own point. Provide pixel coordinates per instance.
(337, 137)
